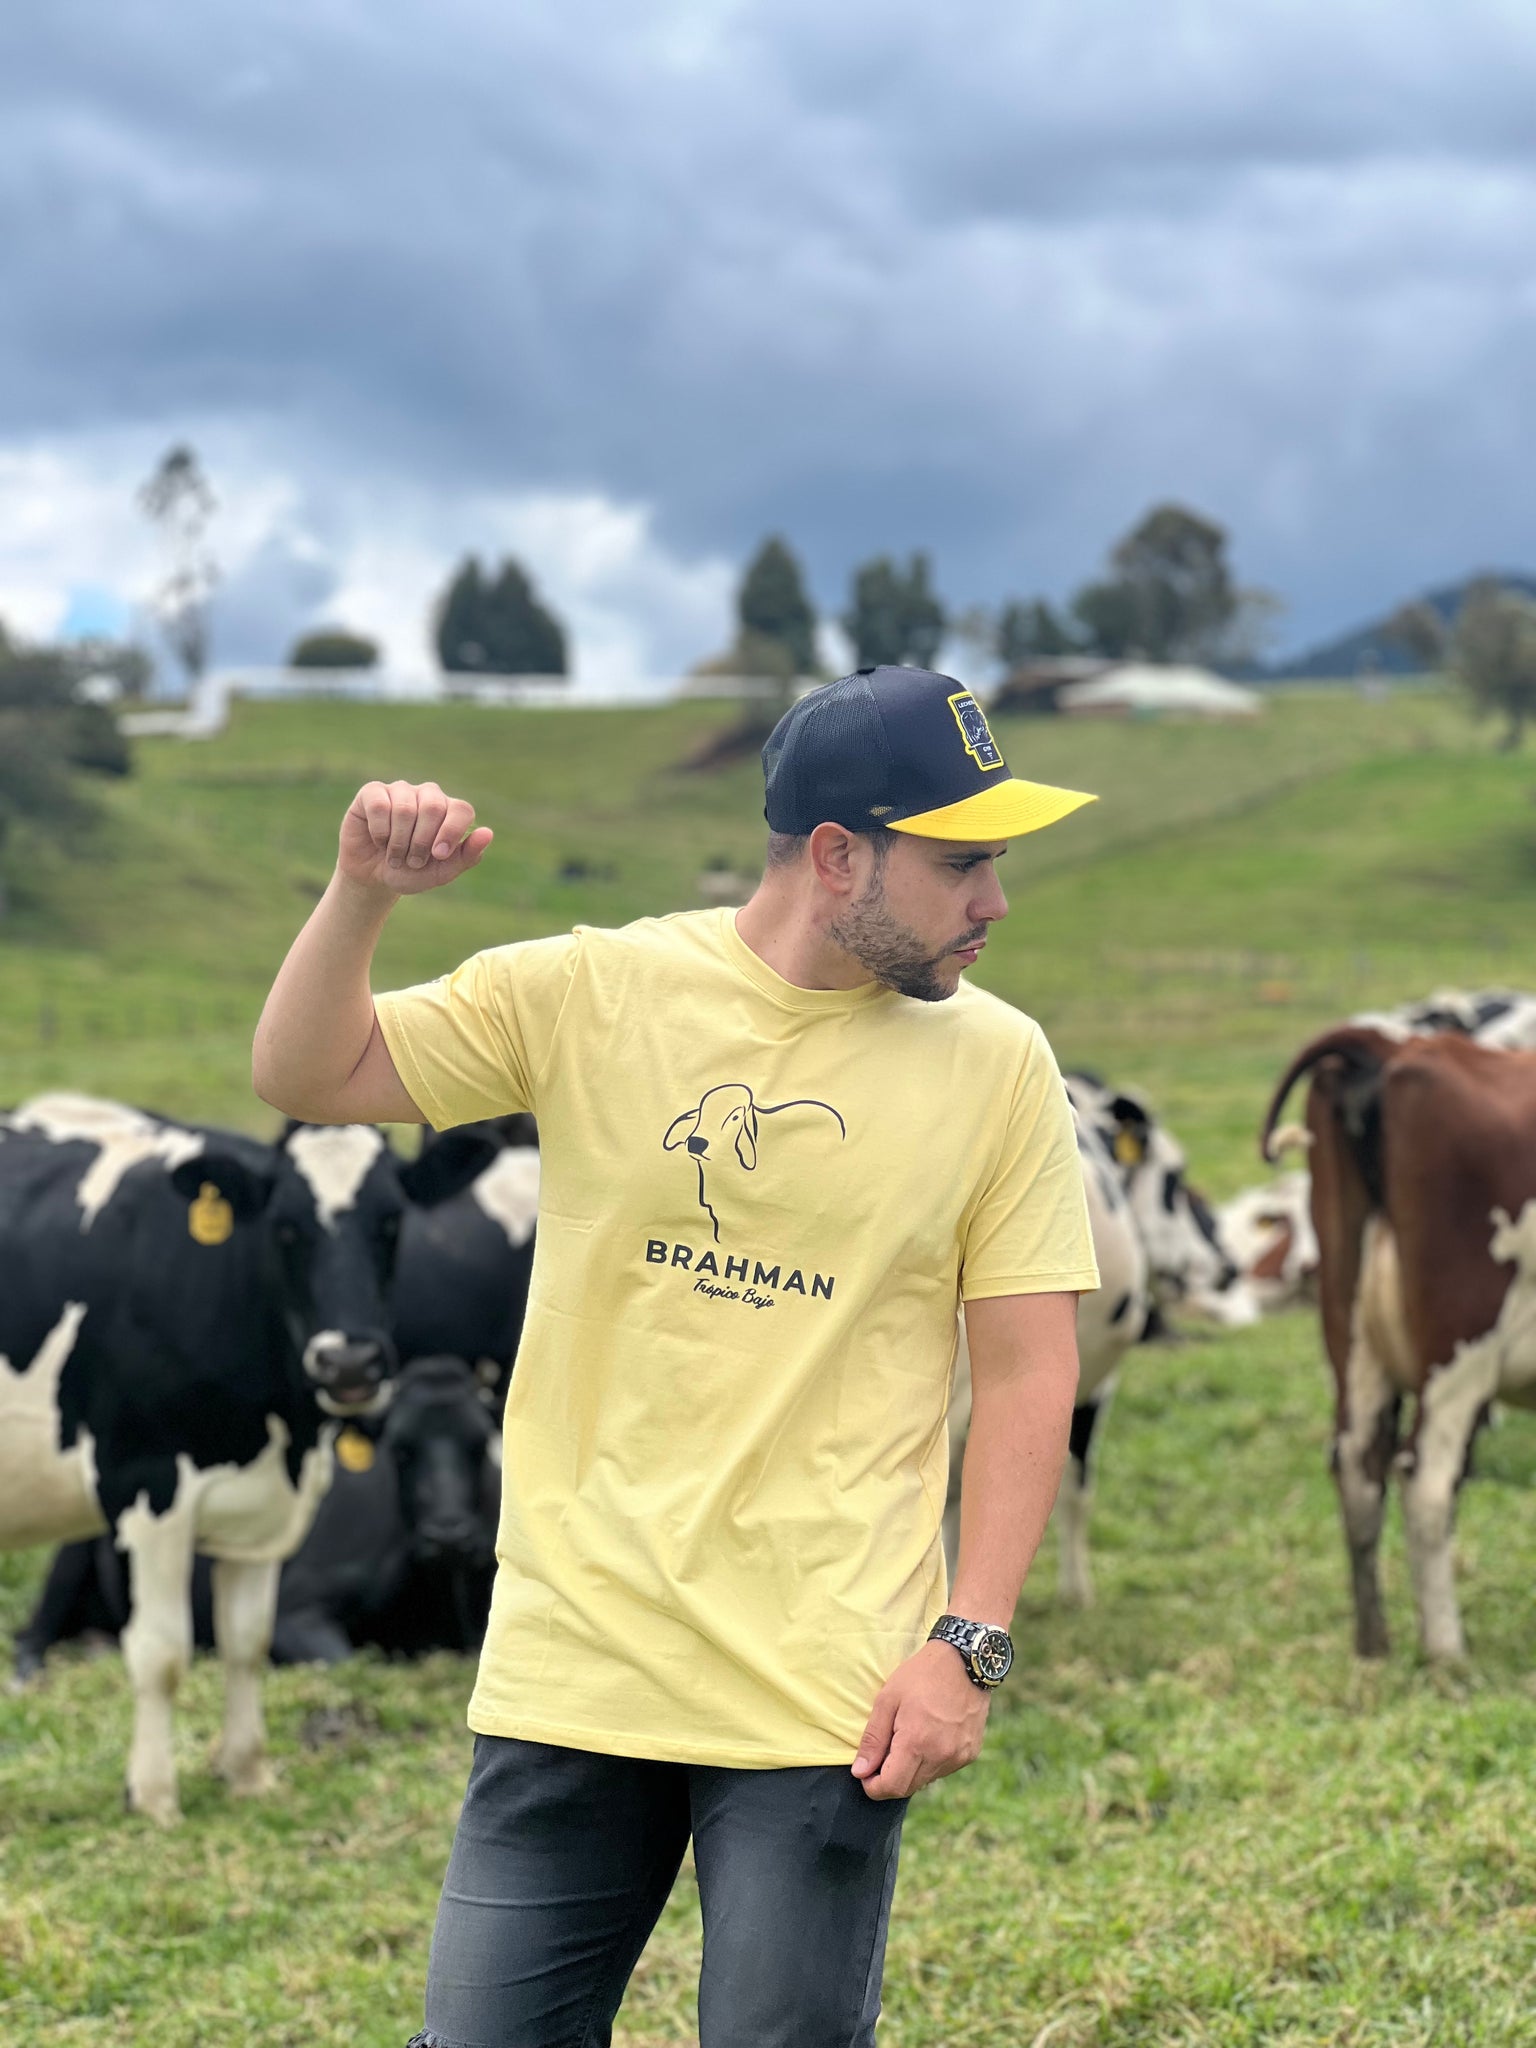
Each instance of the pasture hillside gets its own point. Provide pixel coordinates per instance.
(1235, 887)
(1198, 1822)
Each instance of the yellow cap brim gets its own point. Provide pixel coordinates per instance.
(1004, 811)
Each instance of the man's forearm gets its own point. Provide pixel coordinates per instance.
(318, 1020)
(1021, 1414)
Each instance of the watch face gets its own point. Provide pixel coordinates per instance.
(992, 1656)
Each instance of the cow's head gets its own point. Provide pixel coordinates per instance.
(1186, 1257)
(328, 1200)
(445, 1448)
(725, 1122)
(1268, 1230)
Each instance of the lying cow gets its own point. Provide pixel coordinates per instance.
(1424, 1200)
(461, 1280)
(1109, 1322)
(185, 1315)
(1188, 1262)
(401, 1554)
(403, 1551)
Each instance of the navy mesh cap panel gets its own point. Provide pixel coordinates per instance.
(827, 760)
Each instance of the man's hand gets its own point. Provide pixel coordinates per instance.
(928, 1720)
(407, 837)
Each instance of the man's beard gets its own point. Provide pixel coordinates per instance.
(892, 951)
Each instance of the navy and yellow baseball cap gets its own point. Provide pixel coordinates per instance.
(904, 748)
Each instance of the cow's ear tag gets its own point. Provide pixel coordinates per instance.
(354, 1453)
(210, 1219)
(1129, 1149)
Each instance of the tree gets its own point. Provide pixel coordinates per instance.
(894, 617)
(180, 502)
(495, 625)
(772, 603)
(1420, 631)
(1026, 632)
(1170, 595)
(1493, 655)
(128, 665)
(333, 647)
(46, 734)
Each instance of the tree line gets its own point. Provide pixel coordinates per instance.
(1168, 594)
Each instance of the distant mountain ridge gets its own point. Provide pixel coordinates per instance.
(1369, 650)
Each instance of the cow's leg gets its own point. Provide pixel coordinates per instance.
(1362, 1459)
(244, 1604)
(1450, 1408)
(1074, 1578)
(157, 1649)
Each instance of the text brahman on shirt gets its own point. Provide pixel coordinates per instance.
(725, 1455)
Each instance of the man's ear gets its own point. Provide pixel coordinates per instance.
(680, 1130)
(447, 1166)
(833, 860)
(247, 1189)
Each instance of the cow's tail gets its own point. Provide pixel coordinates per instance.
(1361, 1051)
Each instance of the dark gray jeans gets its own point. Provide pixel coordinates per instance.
(563, 1860)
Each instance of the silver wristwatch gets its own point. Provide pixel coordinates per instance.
(985, 1651)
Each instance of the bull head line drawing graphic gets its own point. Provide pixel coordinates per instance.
(728, 1116)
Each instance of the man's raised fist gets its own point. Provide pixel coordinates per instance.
(408, 837)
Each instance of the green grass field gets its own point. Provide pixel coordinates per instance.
(1197, 1820)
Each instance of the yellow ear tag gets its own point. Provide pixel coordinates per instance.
(210, 1219)
(354, 1453)
(1129, 1149)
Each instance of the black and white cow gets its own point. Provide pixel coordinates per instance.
(1268, 1231)
(403, 1551)
(401, 1554)
(183, 1315)
(1501, 1018)
(1109, 1322)
(461, 1281)
(1189, 1264)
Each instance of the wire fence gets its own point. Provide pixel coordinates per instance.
(106, 1019)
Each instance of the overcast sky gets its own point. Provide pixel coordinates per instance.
(624, 287)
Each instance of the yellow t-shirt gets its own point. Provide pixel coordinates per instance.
(725, 1459)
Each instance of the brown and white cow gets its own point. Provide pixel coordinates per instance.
(1424, 1200)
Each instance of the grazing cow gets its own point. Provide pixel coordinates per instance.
(1109, 1322)
(401, 1553)
(1188, 1261)
(1268, 1232)
(1424, 1201)
(461, 1280)
(1504, 1018)
(184, 1314)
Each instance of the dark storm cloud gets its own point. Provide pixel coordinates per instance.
(983, 278)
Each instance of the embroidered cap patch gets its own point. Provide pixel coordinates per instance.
(975, 731)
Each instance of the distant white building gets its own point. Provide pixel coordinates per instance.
(1134, 689)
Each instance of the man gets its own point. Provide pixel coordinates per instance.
(780, 1145)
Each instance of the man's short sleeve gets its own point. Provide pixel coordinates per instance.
(476, 1043)
(1029, 1231)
